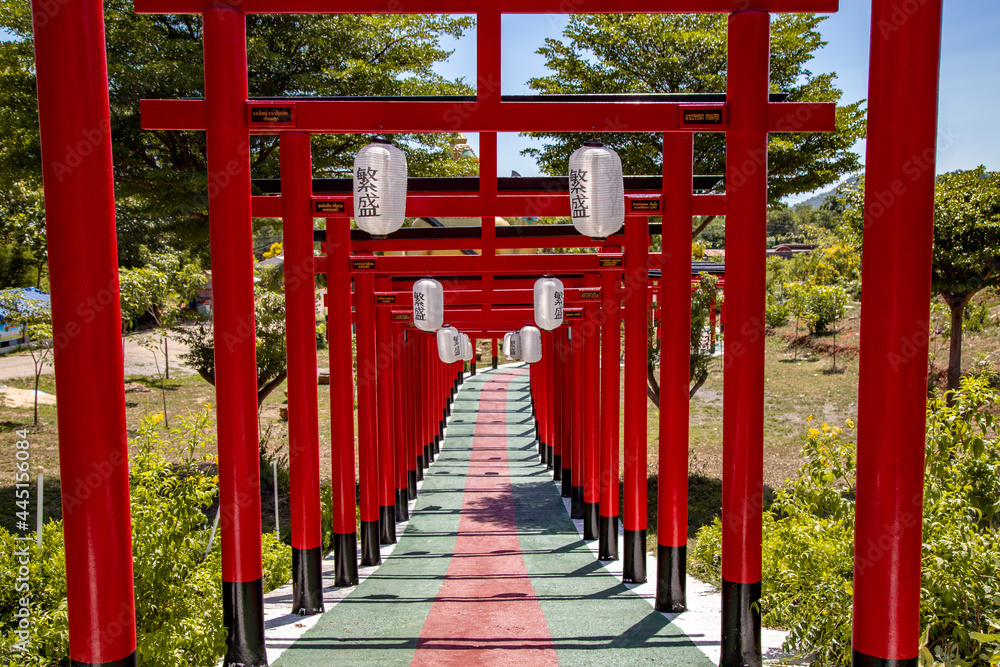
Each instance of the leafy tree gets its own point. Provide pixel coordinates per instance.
(22, 231)
(35, 319)
(702, 300)
(687, 54)
(161, 180)
(966, 244)
(269, 316)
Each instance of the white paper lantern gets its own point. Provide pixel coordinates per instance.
(428, 304)
(379, 188)
(531, 344)
(449, 343)
(596, 190)
(505, 348)
(549, 300)
(466, 348)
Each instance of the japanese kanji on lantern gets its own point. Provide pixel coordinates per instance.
(380, 188)
(549, 299)
(449, 344)
(596, 190)
(428, 304)
(531, 344)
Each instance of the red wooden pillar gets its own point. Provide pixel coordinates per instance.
(591, 382)
(475, 354)
(228, 150)
(368, 451)
(635, 298)
(385, 428)
(422, 368)
(675, 372)
(398, 413)
(578, 419)
(610, 405)
(893, 388)
(549, 389)
(73, 111)
(538, 395)
(411, 432)
(344, 490)
(565, 417)
(303, 399)
(743, 408)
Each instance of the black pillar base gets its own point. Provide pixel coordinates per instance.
(437, 444)
(411, 484)
(671, 578)
(607, 545)
(345, 559)
(859, 659)
(576, 502)
(420, 466)
(128, 661)
(402, 506)
(590, 520)
(243, 617)
(543, 454)
(370, 554)
(472, 369)
(307, 581)
(541, 448)
(429, 451)
(557, 467)
(634, 565)
(495, 363)
(567, 483)
(740, 625)
(387, 524)
(551, 460)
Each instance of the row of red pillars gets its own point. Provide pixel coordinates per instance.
(73, 103)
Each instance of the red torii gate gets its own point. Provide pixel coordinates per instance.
(73, 103)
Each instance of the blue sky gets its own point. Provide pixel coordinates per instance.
(969, 120)
(970, 75)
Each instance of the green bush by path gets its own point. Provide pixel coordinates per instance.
(178, 588)
(809, 540)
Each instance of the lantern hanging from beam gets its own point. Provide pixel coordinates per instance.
(466, 348)
(379, 188)
(428, 304)
(512, 346)
(449, 343)
(549, 299)
(531, 344)
(596, 190)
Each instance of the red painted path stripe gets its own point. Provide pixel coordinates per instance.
(486, 612)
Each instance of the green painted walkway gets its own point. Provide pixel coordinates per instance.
(587, 616)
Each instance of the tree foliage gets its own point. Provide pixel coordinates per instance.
(966, 243)
(687, 54)
(34, 318)
(161, 180)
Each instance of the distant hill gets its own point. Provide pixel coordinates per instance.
(817, 200)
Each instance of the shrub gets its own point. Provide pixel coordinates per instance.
(776, 313)
(824, 305)
(809, 532)
(178, 588)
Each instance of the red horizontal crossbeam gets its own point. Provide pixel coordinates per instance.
(494, 6)
(346, 116)
(464, 205)
(479, 297)
(460, 265)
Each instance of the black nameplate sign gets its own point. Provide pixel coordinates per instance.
(710, 116)
(272, 115)
(644, 205)
(327, 206)
(362, 264)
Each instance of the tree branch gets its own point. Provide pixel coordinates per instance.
(653, 387)
(700, 228)
(270, 386)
